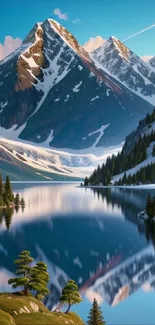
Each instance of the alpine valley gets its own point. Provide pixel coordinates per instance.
(55, 95)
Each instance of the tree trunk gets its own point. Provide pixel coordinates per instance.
(69, 306)
(26, 291)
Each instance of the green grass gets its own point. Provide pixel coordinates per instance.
(48, 319)
(21, 310)
(6, 319)
(12, 304)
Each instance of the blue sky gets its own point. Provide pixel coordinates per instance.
(119, 18)
(140, 303)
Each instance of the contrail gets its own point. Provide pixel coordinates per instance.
(142, 31)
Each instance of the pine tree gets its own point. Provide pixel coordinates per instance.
(153, 151)
(17, 200)
(108, 178)
(70, 295)
(95, 315)
(22, 202)
(8, 190)
(23, 271)
(16, 208)
(1, 201)
(8, 213)
(86, 181)
(1, 186)
(39, 280)
(148, 205)
(153, 206)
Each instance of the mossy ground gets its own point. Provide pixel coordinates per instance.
(21, 310)
(48, 319)
(6, 319)
(14, 305)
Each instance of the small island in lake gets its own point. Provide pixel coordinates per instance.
(7, 198)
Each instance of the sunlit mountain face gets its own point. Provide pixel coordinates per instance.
(91, 236)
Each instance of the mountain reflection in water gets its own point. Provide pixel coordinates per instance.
(92, 236)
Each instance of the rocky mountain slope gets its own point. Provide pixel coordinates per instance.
(128, 68)
(152, 62)
(128, 277)
(52, 93)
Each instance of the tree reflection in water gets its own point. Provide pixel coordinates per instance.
(6, 215)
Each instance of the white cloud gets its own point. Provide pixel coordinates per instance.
(60, 14)
(93, 43)
(146, 58)
(147, 287)
(76, 21)
(10, 45)
(91, 295)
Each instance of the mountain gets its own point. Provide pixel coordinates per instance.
(135, 164)
(53, 94)
(55, 243)
(152, 62)
(128, 277)
(118, 60)
(93, 43)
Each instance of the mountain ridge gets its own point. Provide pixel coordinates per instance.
(127, 67)
(53, 92)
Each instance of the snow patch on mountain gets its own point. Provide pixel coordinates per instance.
(101, 132)
(77, 262)
(120, 282)
(3, 105)
(80, 67)
(94, 98)
(76, 88)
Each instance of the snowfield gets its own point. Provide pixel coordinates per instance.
(51, 160)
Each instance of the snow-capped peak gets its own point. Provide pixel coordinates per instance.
(127, 67)
(93, 43)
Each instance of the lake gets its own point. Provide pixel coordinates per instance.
(89, 235)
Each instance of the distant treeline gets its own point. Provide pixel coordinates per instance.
(7, 197)
(145, 175)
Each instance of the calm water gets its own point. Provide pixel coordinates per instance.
(91, 236)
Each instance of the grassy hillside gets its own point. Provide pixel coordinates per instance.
(21, 310)
(6, 319)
